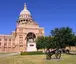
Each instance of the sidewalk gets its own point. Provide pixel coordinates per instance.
(7, 55)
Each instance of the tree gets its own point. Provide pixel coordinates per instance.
(59, 38)
(62, 36)
(73, 40)
(50, 43)
(40, 42)
(44, 42)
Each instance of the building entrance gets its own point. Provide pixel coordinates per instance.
(31, 44)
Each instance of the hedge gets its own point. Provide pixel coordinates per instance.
(32, 53)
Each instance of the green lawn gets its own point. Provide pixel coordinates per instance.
(5, 52)
(38, 59)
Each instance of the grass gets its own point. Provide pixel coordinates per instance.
(38, 59)
(6, 52)
(3, 53)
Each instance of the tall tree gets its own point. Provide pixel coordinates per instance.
(44, 42)
(40, 42)
(73, 40)
(62, 36)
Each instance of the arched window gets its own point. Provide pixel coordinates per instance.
(30, 36)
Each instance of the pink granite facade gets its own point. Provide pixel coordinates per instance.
(26, 30)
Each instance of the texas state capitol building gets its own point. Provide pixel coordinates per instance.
(23, 38)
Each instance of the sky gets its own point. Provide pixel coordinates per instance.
(49, 14)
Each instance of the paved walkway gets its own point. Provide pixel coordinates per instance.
(73, 53)
(7, 55)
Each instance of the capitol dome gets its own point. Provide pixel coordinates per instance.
(25, 11)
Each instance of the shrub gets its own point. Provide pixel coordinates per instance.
(32, 53)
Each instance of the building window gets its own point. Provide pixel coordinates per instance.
(0, 43)
(13, 44)
(5, 39)
(20, 37)
(5, 44)
(26, 19)
(21, 45)
(0, 39)
(9, 43)
(9, 39)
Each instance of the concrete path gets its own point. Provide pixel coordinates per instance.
(7, 55)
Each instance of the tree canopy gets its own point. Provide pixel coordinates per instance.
(63, 37)
(44, 42)
(59, 38)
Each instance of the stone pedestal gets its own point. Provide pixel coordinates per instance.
(31, 46)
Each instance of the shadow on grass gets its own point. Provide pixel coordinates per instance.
(54, 59)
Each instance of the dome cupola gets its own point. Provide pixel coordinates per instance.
(25, 11)
(25, 17)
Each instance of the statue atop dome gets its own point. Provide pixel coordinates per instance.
(25, 11)
(25, 6)
(25, 17)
